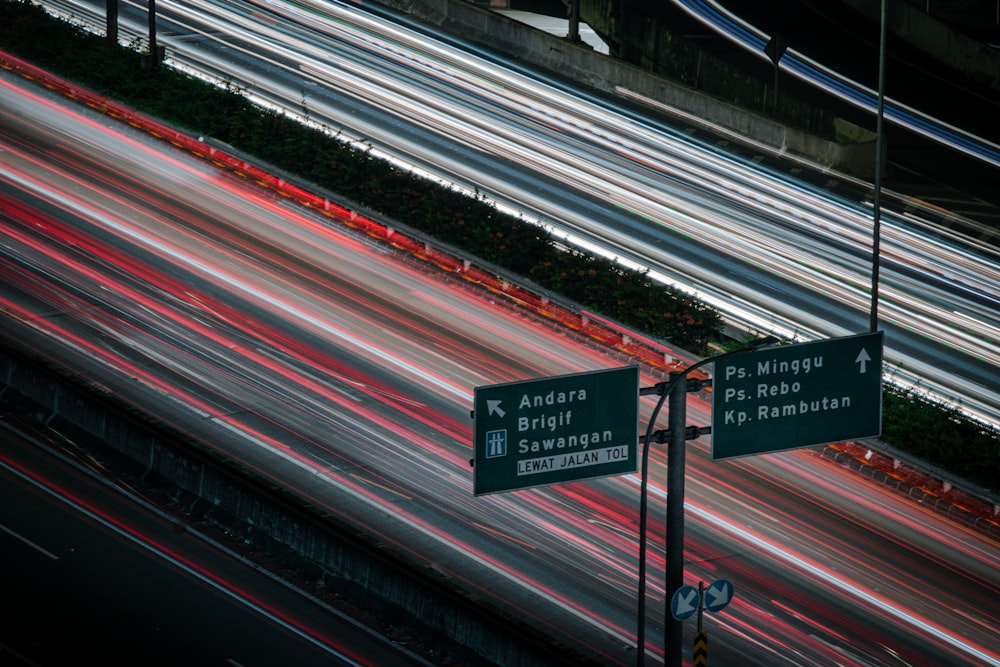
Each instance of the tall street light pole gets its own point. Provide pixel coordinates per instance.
(111, 22)
(154, 49)
(879, 159)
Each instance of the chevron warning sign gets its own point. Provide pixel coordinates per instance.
(700, 658)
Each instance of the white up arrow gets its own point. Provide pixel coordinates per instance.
(493, 405)
(862, 359)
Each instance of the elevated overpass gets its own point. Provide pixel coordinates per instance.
(662, 58)
(941, 58)
(828, 140)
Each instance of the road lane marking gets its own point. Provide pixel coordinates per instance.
(28, 542)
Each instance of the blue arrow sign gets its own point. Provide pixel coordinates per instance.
(684, 603)
(718, 595)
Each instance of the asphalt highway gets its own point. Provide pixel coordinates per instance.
(95, 573)
(773, 251)
(338, 367)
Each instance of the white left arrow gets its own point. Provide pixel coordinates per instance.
(862, 359)
(493, 406)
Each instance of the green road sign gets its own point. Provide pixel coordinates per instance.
(797, 395)
(556, 429)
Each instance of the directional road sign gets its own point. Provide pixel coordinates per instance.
(684, 603)
(555, 429)
(718, 595)
(797, 395)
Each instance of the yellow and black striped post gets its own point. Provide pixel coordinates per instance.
(700, 658)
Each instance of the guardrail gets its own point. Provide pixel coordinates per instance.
(513, 289)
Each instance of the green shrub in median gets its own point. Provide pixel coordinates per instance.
(942, 436)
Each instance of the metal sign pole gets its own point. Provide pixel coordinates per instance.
(673, 637)
(677, 391)
(640, 642)
(879, 159)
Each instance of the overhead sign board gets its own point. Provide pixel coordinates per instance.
(797, 395)
(555, 429)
